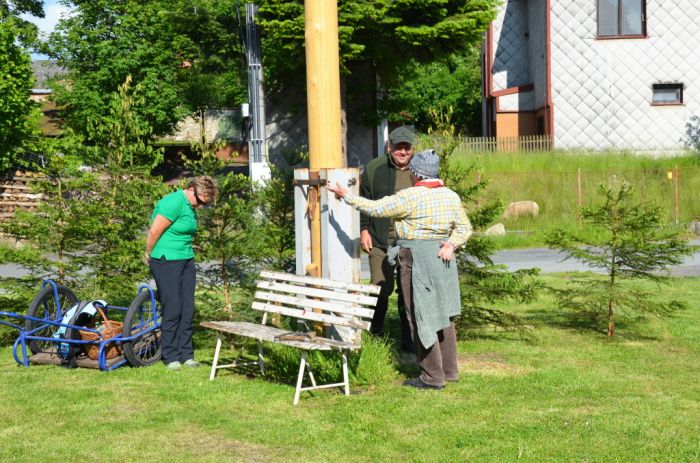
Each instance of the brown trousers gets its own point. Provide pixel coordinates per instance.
(438, 363)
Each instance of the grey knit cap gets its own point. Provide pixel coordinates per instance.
(425, 164)
(402, 134)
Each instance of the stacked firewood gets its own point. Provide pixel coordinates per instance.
(16, 193)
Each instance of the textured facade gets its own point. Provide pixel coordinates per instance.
(546, 61)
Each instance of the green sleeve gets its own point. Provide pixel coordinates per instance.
(169, 207)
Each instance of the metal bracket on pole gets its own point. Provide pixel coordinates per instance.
(319, 181)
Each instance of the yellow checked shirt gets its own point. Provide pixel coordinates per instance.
(421, 213)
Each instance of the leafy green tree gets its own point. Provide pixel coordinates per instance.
(692, 134)
(631, 245)
(102, 43)
(388, 35)
(10, 12)
(18, 114)
(386, 32)
(183, 55)
(452, 86)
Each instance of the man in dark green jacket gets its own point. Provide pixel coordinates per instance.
(382, 177)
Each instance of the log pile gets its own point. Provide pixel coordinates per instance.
(16, 193)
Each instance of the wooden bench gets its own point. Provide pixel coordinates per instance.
(344, 311)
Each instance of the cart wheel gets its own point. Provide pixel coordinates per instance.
(44, 306)
(144, 350)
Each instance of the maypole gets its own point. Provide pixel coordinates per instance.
(323, 100)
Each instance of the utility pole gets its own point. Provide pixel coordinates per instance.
(323, 100)
(258, 160)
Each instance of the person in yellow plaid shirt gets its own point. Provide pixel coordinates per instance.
(430, 224)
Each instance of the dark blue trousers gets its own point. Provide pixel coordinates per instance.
(175, 280)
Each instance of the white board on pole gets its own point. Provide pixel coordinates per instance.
(340, 228)
(302, 225)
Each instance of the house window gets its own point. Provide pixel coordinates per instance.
(622, 18)
(667, 94)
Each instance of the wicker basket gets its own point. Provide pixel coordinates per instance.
(110, 330)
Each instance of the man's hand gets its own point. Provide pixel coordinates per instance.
(337, 189)
(146, 257)
(365, 241)
(446, 251)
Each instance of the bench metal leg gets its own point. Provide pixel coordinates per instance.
(346, 378)
(300, 378)
(261, 359)
(216, 358)
(304, 366)
(311, 375)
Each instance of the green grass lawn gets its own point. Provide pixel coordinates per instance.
(557, 181)
(566, 394)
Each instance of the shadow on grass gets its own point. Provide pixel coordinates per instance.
(588, 323)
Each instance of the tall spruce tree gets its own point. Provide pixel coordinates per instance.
(631, 244)
(482, 282)
(120, 206)
(228, 237)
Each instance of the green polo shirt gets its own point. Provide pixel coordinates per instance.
(176, 241)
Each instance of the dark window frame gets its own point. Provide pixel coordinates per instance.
(619, 23)
(666, 85)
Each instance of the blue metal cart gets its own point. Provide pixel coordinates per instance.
(36, 344)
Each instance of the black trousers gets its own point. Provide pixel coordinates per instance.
(175, 280)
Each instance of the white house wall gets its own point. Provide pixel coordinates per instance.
(525, 101)
(519, 54)
(510, 44)
(536, 10)
(602, 89)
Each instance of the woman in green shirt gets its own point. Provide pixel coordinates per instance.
(170, 256)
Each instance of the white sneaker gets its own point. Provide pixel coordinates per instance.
(173, 366)
(191, 363)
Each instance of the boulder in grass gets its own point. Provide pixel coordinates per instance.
(520, 209)
(496, 230)
(694, 227)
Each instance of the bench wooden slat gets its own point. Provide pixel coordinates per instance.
(312, 316)
(370, 289)
(270, 333)
(303, 302)
(344, 309)
(318, 292)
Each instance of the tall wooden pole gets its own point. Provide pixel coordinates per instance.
(323, 100)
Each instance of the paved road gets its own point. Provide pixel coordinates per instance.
(551, 262)
(547, 260)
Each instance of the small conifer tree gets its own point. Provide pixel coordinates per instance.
(53, 236)
(631, 245)
(482, 283)
(119, 207)
(227, 232)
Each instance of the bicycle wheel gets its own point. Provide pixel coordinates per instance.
(144, 350)
(44, 306)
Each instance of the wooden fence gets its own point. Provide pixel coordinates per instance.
(16, 194)
(560, 194)
(527, 143)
